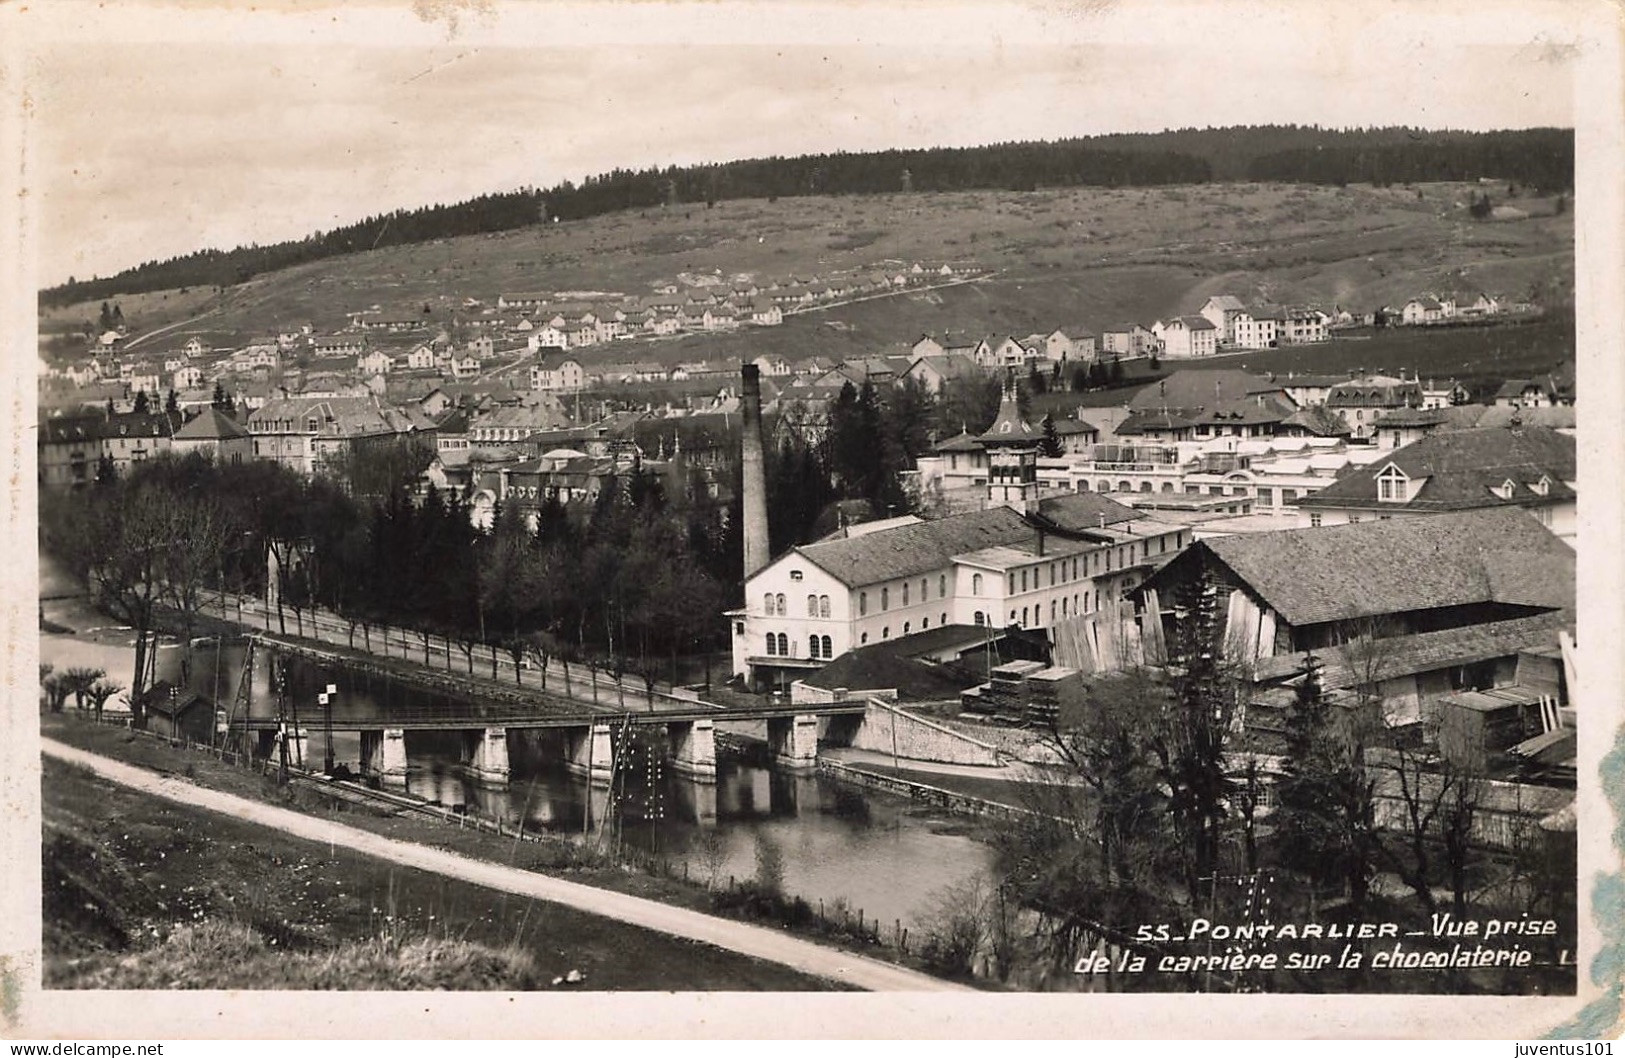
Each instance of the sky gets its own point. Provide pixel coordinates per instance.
(160, 128)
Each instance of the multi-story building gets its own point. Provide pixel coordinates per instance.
(1186, 337)
(1529, 467)
(1023, 561)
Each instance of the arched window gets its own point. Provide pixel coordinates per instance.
(823, 606)
(885, 633)
(942, 586)
(1124, 486)
(864, 638)
(767, 604)
(885, 598)
(1167, 486)
(976, 584)
(784, 608)
(784, 644)
(1052, 611)
(943, 619)
(772, 645)
(863, 603)
(1012, 617)
(812, 647)
(905, 593)
(812, 606)
(906, 626)
(1024, 617)
(1103, 486)
(1083, 486)
(925, 622)
(828, 652)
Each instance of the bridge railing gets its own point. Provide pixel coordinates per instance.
(442, 653)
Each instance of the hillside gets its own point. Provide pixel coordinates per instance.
(1540, 158)
(1079, 256)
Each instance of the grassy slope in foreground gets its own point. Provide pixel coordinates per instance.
(143, 893)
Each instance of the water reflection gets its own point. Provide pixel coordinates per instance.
(876, 851)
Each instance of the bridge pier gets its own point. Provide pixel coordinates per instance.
(694, 749)
(488, 755)
(590, 752)
(383, 753)
(793, 740)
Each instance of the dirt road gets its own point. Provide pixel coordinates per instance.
(757, 941)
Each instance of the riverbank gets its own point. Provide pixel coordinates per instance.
(549, 854)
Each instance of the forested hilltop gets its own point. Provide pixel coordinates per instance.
(1542, 159)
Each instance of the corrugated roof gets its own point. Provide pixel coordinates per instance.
(915, 549)
(1369, 569)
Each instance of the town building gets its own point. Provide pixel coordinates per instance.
(1528, 467)
(1408, 610)
(1186, 337)
(215, 435)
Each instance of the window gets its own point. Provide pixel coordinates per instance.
(784, 644)
(828, 653)
(795, 574)
(1288, 495)
(906, 626)
(980, 618)
(942, 586)
(767, 604)
(976, 584)
(863, 603)
(1354, 519)
(812, 647)
(1024, 579)
(772, 645)
(812, 606)
(885, 633)
(925, 622)
(1052, 574)
(942, 619)
(925, 589)
(1392, 485)
(905, 593)
(885, 598)
(823, 606)
(1052, 611)
(1314, 518)
(1012, 617)
(864, 638)
(783, 606)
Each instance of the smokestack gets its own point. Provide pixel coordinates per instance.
(753, 472)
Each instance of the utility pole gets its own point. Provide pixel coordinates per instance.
(326, 700)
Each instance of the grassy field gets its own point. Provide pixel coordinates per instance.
(140, 892)
(1090, 257)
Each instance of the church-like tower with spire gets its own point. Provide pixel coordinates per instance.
(1012, 457)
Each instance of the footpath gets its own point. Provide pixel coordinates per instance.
(759, 942)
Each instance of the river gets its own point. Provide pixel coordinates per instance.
(877, 852)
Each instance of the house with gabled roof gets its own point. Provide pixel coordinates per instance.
(1221, 310)
(1527, 467)
(1186, 337)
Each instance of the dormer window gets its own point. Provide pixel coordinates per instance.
(1543, 486)
(1393, 485)
(1505, 489)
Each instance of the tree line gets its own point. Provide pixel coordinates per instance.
(1165, 815)
(1541, 158)
(657, 551)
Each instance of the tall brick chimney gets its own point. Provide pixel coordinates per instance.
(753, 470)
